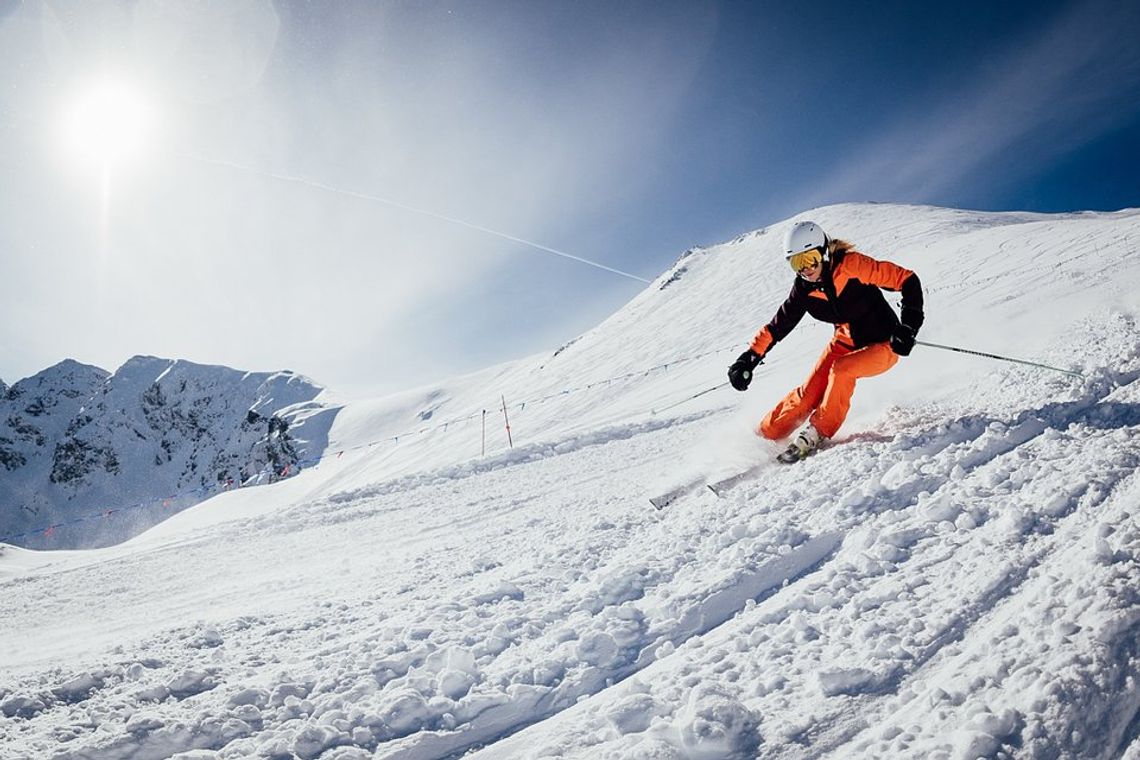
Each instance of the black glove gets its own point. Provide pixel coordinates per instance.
(902, 341)
(740, 373)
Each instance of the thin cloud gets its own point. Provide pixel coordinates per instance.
(424, 212)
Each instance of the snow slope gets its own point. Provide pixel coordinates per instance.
(958, 576)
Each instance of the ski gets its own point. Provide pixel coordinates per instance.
(661, 501)
(719, 487)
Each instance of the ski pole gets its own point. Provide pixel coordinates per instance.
(690, 398)
(995, 356)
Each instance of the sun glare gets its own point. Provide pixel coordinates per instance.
(108, 124)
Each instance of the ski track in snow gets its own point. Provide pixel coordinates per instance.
(963, 583)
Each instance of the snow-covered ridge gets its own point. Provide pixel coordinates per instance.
(954, 578)
(155, 436)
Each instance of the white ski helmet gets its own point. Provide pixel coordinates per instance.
(803, 236)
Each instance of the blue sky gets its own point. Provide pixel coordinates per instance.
(294, 200)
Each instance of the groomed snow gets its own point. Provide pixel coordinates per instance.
(957, 576)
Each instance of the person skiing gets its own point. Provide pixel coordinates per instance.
(837, 284)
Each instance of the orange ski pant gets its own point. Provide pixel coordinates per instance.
(826, 394)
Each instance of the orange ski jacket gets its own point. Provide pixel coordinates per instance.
(848, 295)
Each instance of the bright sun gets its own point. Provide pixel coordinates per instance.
(108, 124)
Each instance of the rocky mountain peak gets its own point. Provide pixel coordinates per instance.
(76, 438)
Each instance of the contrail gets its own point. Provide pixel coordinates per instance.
(420, 211)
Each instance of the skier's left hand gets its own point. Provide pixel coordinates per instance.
(902, 341)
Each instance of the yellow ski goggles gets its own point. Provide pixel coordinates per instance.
(806, 259)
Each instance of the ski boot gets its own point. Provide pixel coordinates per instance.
(802, 446)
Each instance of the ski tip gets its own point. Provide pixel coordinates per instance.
(662, 500)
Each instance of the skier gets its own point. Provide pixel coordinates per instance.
(837, 284)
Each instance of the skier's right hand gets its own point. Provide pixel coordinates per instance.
(902, 341)
(740, 373)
